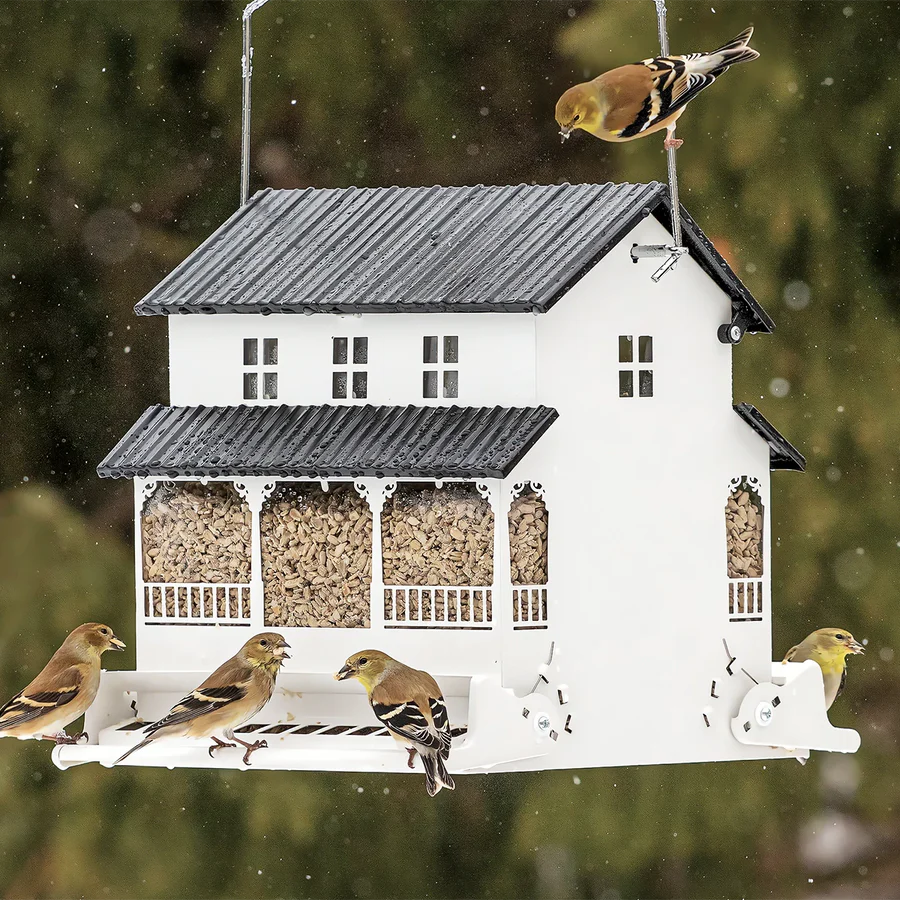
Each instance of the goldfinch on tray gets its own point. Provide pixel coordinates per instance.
(63, 691)
(829, 647)
(231, 696)
(635, 100)
(409, 703)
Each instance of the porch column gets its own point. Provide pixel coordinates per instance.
(143, 490)
(374, 491)
(499, 498)
(255, 492)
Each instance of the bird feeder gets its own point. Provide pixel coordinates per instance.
(460, 425)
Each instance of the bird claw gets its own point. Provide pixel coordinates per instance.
(672, 143)
(218, 745)
(257, 745)
(63, 738)
(412, 757)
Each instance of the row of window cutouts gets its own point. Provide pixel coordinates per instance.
(350, 358)
(350, 376)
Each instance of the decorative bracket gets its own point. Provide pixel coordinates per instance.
(790, 712)
(254, 495)
(148, 489)
(750, 480)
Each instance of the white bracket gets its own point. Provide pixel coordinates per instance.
(790, 712)
(671, 252)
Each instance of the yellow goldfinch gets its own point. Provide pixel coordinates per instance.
(829, 647)
(635, 100)
(231, 696)
(409, 703)
(63, 691)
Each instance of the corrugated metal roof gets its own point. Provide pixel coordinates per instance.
(327, 441)
(782, 453)
(414, 249)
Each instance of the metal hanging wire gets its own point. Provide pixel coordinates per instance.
(674, 252)
(247, 74)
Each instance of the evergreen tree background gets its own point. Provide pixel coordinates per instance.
(119, 153)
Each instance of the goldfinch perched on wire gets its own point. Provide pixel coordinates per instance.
(409, 703)
(63, 691)
(829, 647)
(231, 696)
(635, 100)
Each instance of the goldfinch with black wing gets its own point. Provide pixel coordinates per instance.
(64, 689)
(636, 100)
(829, 647)
(231, 696)
(410, 704)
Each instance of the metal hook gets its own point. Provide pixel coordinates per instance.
(246, 74)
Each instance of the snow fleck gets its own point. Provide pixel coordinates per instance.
(840, 409)
(796, 295)
(833, 473)
(750, 267)
(848, 11)
(126, 350)
(576, 779)
(827, 82)
(779, 387)
(886, 654)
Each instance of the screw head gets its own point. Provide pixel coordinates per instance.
(764, 713)
(542, 722)
(735, 333)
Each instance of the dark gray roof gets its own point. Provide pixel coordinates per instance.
(782, 454)
(327, 441)
(435, 249)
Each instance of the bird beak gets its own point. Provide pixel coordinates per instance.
(345, 672)
(565, 132)
(856, 647)
(280, 650)
(116, 644)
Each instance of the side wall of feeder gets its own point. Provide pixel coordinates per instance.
(637, 488)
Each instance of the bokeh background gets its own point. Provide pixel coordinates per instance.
(119, 153)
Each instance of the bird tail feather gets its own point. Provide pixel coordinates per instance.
(436, 774)
(131, 750)
(730, 54)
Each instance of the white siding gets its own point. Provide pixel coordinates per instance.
(496, 356)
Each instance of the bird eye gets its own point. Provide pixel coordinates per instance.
(104, 631)
(577, 117)
(263, 643)
(363, 661)
(840, 637)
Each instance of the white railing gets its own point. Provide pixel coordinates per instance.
(745, 599)
(529, 606)
(196, 603)
(437, 606)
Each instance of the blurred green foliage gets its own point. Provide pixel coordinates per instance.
(119, 153)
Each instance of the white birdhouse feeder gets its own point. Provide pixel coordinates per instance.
(464, 426)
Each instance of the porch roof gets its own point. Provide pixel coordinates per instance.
(327, 441)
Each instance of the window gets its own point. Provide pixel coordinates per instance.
(350, 360)
(744, 516)
(643, 370)
(260, 377)
(440, 356)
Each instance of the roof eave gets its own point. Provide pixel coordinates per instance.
(783, 455)
(714, 264)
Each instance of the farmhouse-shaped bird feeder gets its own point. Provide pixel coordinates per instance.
(461, 425)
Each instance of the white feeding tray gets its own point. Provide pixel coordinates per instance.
(314, 723)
